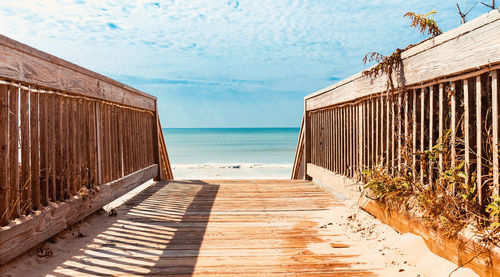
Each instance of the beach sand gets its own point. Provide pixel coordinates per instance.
(373, 244)
(215, 171)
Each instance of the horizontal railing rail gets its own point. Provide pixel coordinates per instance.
(446, 102)
(71, 141)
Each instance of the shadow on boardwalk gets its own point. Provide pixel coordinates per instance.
(157, 232)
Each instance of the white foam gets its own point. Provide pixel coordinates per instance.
(231, 166)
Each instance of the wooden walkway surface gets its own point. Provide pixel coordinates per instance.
(247, 227)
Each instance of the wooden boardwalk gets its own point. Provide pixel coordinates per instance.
(265, 228)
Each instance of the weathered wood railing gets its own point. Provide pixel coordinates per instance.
(447, 96)
(71, 141)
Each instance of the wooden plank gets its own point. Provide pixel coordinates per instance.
(414, 133)
(98, 129)
(25, 153)
(15, 191)
(432, 91)
(378, 128)
(406, 137)
(388, 132)
(393, 136)
(480, 90)
(360, 137)
(35, 149)
(93, 160)
(453, 123)
(422, 134)
(466, 95)
(494, 90)
(329, 142)
(427, 61)
(108, 152)
(68, 160)
(441, 128)
(121, 134)
(352, 150)
(44, 150)
(307, 141)
(84, 142)
(23, 63)
(61, 142)
(53, 132)
(75, 147)
(4, 155)
(399, 133)
(28, 232)
(337, 144)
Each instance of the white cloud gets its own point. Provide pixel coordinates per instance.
(279, 45)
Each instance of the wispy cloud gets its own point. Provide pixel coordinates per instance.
(239, 46)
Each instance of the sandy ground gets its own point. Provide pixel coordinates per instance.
(218, 173)
(379, 247)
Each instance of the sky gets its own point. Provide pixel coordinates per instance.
(223, 63)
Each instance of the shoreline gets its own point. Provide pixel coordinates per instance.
(232, 171)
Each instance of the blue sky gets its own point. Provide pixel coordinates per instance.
(222, 63)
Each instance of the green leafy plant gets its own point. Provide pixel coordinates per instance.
(493, 209)
(424, 23)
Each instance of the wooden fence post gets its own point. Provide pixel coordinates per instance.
(4, 150)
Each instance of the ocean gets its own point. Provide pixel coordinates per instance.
(231, 153)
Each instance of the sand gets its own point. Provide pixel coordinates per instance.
(377, 246)
(231, 171)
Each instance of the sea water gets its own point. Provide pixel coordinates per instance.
(231, 153)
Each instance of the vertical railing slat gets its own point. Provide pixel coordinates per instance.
(479, 148)
(495, 114)
(466, 129)
(414, 133)
(35, 158)
(431, 130)
(4, 155)
(453, 124)
(441, 128)
(422, 134)
(25, 153)
(53, 111)
(44, 161)
(15, 190)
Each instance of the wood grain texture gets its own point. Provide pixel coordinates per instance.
(35, 151)
(30, 230)
(25, 153)
(4, 154)
(217, 228)
(15, 209)
(468, 47)
(22, 63)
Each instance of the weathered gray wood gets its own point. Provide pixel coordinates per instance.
(20, 62)
(28, 231)
(468, 47)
